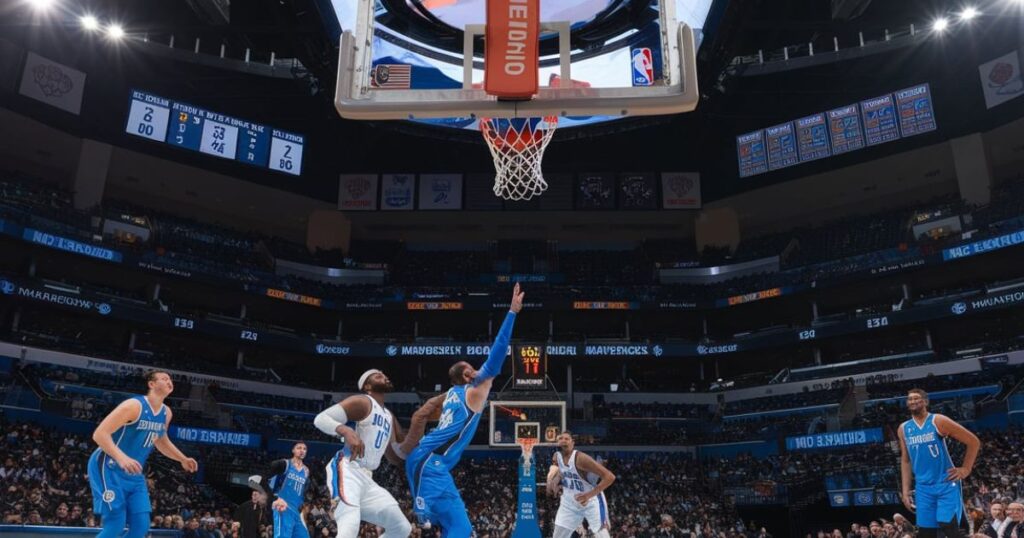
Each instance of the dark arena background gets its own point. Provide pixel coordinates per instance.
(726, 307)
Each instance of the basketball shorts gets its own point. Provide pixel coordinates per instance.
(355, 490)
(113, 490)
(434, 494)
(289, 524)
(938, 503)
(571, 514)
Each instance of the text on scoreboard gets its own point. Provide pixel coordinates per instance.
(197, 129)
(873, 121)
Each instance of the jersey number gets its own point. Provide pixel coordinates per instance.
(150, 440)
(381, 438)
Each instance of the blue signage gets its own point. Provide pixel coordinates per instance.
(70, 245)
(781, 142)
(839, 499)
(215, 437)
(812, 137)
(753, 157)
(526, 508)
(985, 245)
(845, 129)
(916, 113)
(834, 439)
(879, 116)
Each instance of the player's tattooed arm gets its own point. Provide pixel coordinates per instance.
(430, 410)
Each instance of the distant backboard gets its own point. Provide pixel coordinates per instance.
(512, 419)
(427, 62)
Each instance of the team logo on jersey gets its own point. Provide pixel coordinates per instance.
(109, 496)
(421, 504)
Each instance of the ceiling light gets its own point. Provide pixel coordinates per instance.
(114, 31)
(90, 23)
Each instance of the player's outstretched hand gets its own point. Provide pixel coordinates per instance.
(517, 299)
(280, 505)
(130, 466)
(908, 501)
(190, 465)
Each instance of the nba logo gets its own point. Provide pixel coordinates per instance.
(643, 67)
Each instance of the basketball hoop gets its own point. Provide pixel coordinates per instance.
(517, 145)
(527, 445)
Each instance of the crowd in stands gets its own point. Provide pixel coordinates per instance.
(42, 473)
(808, 254)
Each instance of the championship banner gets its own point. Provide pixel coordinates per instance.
(1001, 80)
(595, 191)
(52, 83)
(680, 190)
(637, 191)
(440, 191)
(357, 192)
(396, 191)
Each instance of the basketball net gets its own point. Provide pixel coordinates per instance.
(527, 446)
(517, 146)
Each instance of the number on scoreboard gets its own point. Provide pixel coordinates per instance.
(530, 367)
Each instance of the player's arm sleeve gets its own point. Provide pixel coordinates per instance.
(499, 350)
(278, 467)
(329, 419)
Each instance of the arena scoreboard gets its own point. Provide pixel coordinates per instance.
(530, 367)
(197, 129)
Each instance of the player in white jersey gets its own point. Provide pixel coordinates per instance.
(369, 430)
(581, 499)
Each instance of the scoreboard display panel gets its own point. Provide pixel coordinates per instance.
(530, 367)
(915, 108)
(196, 129)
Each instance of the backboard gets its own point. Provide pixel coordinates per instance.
(510, 420)
(598, 58)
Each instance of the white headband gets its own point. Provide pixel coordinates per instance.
(366, 375)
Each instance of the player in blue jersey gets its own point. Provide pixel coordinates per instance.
(286, 482)
(430, 462)
(126, 437)
(938, 497)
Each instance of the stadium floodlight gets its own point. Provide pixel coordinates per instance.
(940, 24)
(90, 23)
(41, 5)
(115, 31)
(969, 13)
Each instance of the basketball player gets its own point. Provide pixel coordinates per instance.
(937, 499)
(581, 499)
(369, 431)
(126, 437)
(430, 463)
(287, 483)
